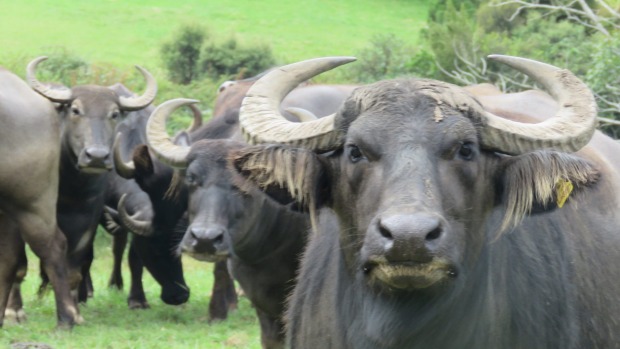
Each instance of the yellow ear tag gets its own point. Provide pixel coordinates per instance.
(563, 188)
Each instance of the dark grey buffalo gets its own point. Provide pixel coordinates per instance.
(456, 228)
(147, 249)
(264, 239)
(29, 152)
(89, 115)
(169, 201)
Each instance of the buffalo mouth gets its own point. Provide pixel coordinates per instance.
(94, 169)
(410, 275)
(207, 257)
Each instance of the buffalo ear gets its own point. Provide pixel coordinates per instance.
(182, 139)
(142, 160)
(541, 181)
(287, 175)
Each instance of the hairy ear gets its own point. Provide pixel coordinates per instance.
(142, 160)
(541, 181)
(285, 174)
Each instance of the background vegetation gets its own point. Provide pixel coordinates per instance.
(193, 46)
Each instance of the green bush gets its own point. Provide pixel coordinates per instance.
(385, 57)
(181, 53)
(559, 43)
(232, 59)
(451, 33)
(63, 67)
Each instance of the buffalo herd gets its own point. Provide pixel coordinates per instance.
(408, 213)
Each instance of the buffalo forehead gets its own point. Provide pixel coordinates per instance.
(95, 96)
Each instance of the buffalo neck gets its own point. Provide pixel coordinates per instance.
(276, 230)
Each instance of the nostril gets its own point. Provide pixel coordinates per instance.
(434, 234)
(194, 234)
(385, 232)
(218, 239)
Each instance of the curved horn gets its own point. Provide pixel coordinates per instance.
(197, 121)
(302, 114)
(124, 169)
(140, 102)
(143, 228)
(59, 95)
(569, 130)
(158, 139)
(260, 118)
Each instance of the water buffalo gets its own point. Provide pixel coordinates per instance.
(262, 237)
(169, 202)
(89, 115)
(150, 247)
(456, 228)
(30, 151)
(319, 100)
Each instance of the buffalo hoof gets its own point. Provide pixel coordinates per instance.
(116, 284)
(136, 304)
(12, 315)
(79, 320)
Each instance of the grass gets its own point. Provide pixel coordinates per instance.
(114, 35)
(131, 32)
(111, 325)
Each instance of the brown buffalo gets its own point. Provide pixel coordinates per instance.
(30, 152)
(88, 116)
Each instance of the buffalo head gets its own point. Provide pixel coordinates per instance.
(413, 167)
(89, 116)
(215, 205)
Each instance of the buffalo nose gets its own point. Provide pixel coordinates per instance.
(97, 154)
(412, 237)
(206, 239)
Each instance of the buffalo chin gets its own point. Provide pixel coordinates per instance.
(207, 257)
(409, 277)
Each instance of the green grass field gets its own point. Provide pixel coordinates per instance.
(111, 325)
(131, 32)
(120, 34)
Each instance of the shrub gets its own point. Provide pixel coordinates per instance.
(232, 59)
(181, 53)
(385, 57)
(64, 67)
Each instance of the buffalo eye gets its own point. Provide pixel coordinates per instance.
(75, 111)
(115, 114)
(466, 151)
(190, 179)
(355, 154)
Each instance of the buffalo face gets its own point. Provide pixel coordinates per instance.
(88, 127)
(90, 114)
(216, 207)
(412, 168)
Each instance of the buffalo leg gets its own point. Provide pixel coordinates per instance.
(272, 331)
(231, 293)
(15, 307)
(221, 295)
(10, 245)
(136, 299)
(50, 245)
(85, 289)
(119, 242)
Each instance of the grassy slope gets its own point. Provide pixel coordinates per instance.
(130, 32)
(111, 325)
(124, 33)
